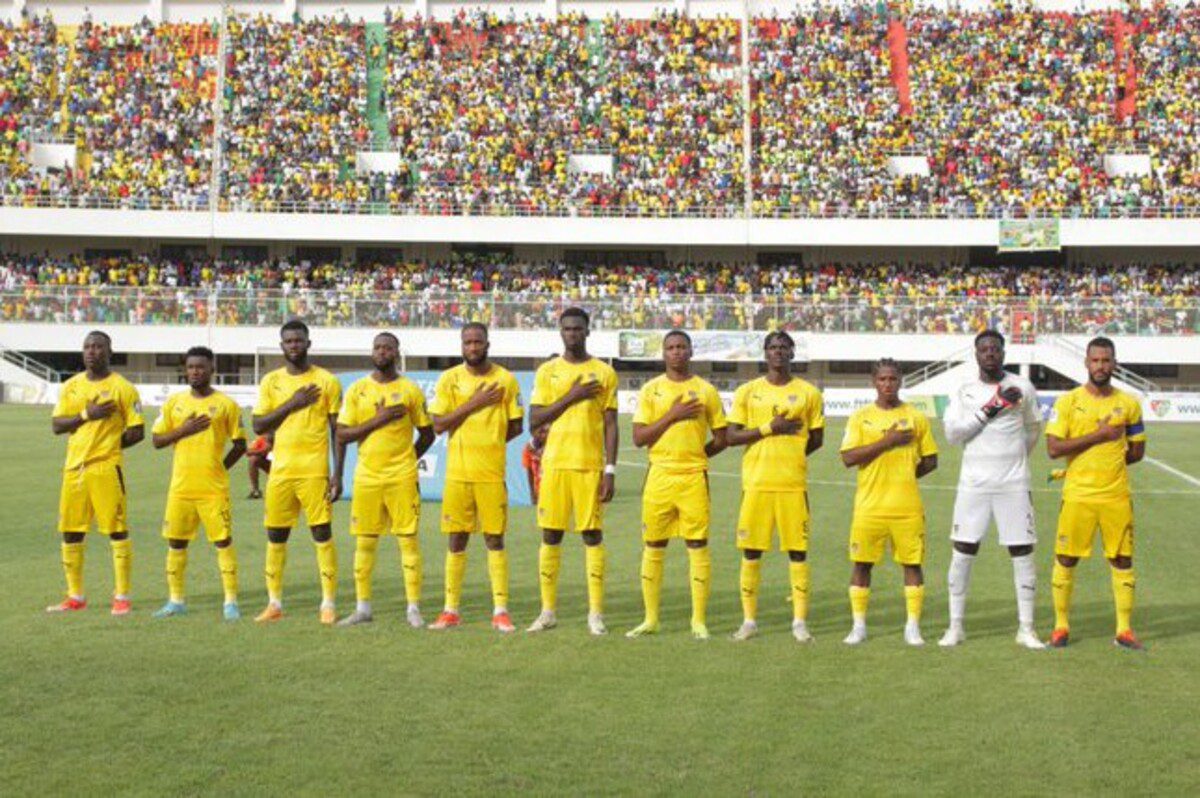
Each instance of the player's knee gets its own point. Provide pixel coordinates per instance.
(696, 544)
(322, 533)
(278, 535)
(1020, 551)
(72, 537)
(752, 554)
(224, 544)
(656, 544)
(913, 575)
(552, 537)
(1121, 563)
(1067, 562)
(457, 542)
(494, 542)
(966, 548)
(798, 556)
(592, 537)
(119, 536)
(177, 543)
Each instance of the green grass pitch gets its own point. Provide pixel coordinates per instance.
(94, 704)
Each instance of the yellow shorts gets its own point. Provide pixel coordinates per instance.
(185, 515)
(93, 492)
(474, 507)
(869, 534)
(565, 491)
(675, 505)
(287, 496)
(763, 512)
(1078, 522)
(393, 509)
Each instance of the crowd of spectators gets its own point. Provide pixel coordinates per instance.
(1013, 107)
(855, 297)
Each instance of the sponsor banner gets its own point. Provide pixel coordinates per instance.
(1171, 407)
(431, 469)
(1029, 235)
(707, 345)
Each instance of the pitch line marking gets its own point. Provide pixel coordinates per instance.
(1173, 470)
(848, 483)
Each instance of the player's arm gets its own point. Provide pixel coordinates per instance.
(339, 460)
(193, 424)
(1058, 447)
(926, 465)
(527, 463)
(515, 426)
(864, 455)
(270, 421)
(648, 434)
(718, 443)
(237, 448)
(486, 395)
(779, 425)
(132, 436)
(580, 391)
(425, 438)
(1134, 452)
(612, 440)
(1032, 418)
(94, 411)
(816, 439)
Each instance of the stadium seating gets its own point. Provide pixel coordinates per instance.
(851, 297)
(1013, 108)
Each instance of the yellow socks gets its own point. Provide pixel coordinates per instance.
(798, 571)
(364, 565)
(1062, 582)
(700, 568)
(750, 578)
(860, 598)
(410, 562)
(652, 579)
(276, 559)
(227, 563)
(456, 568)
(594, 563)
(122, 554)
(549, 564)
(327, 563)
(1122, 586)
(914, 597)
(72, 560)
(176, 566)
(498, 572)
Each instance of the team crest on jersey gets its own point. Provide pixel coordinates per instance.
(212, 410)
(395, 397)
(792, 398)
(691, 394)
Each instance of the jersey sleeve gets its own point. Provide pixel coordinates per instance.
(1031, 417)
(644, 414)
(610, 390)
(541, 387)
(333, 395)
(163, 424)
(740, 414)
(133, 406)
(715, 410)
(816, 410)
(514, 409)
(264, 404)
(348, 415)
(1135, 428)
(1060, 417)
(234, 414)
(852, 439)
(442, 402)
(68, 402)
(926, 445)
(416, 408)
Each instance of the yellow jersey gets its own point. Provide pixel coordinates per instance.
(576, 439)
(302, 441)
(887, 486)
(477, 449)
(100, 440)
(1098, 474)
(777, 462)
(387, 455)
(198, 470)
(681, 447)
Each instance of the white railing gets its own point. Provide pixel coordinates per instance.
(34, 367)
(1021, 317)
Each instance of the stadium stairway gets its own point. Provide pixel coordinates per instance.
(25, 380)
(1066, 357)
(377, 59)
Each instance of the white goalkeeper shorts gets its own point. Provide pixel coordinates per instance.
(973, 513)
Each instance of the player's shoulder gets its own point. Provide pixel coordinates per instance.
(804, 387)
(859, 413)
(361, 385)
(745, 389)
(120, 381)
(273, 376)
(226, 401)
(452, 374)
(74, 381)
(703, 385)
(324, 375)
(603, 369)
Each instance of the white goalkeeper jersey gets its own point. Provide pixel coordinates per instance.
(995, 453)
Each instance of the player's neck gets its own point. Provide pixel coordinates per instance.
(95, 375)
(1099, 390)
(991, 378)
(203, 392)
(887, 404)
(390, 375)
(581, 356)
(296, 368)
(678, 375)
(779, 377)
(480, 370)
